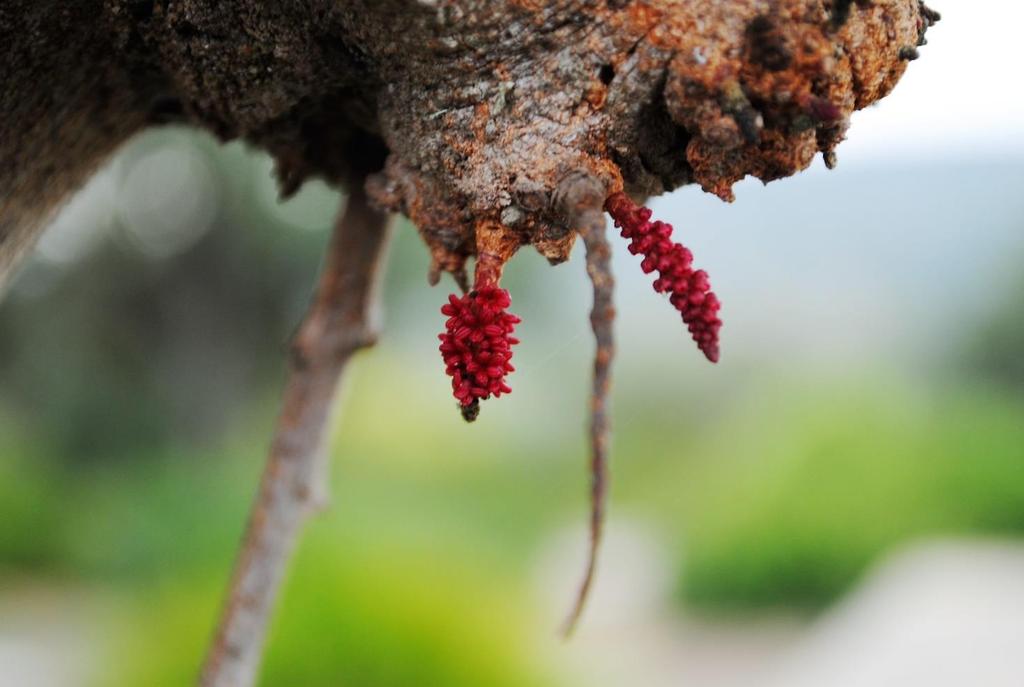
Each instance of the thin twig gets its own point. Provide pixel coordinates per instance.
(581, 201)
(294, 480)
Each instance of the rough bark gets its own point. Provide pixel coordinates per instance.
(479, 108)
(66, 102)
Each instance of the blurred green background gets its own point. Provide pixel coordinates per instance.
(871, 393)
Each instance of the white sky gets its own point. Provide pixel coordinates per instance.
(965, 94)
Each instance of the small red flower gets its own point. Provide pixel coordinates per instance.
(688, 288)
(477, 345)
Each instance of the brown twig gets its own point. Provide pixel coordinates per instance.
(294, 480)
(581, 201)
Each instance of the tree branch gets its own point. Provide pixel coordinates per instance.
(294, 480)
(580, 200)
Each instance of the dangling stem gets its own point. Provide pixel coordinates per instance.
(488, 270)
(581, 198)
(495, 246)
(293, 485)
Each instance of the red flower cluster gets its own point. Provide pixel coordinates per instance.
(688, 288)
(477, 345)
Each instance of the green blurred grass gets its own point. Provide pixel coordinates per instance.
(794, 495)
(419, 572)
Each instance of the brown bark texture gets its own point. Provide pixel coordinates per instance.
(469, 112)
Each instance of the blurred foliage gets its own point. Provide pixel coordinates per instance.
(355, 613)
(419, 572)
(812, 490)
(29, 497)
(376, 598)
(363, 620)
(995, 351)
